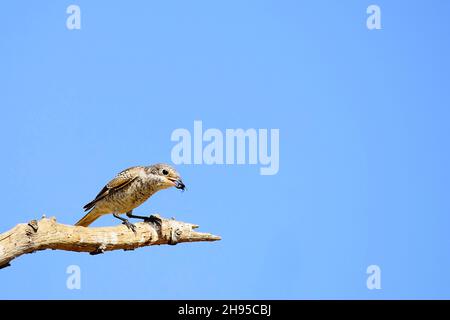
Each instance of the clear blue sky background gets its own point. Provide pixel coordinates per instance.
(364, 137)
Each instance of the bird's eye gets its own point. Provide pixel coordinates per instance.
(165, 172)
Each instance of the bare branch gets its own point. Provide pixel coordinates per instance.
(48, 234)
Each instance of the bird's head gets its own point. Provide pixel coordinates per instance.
(166, 176)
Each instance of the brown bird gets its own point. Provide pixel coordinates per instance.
(128, 190)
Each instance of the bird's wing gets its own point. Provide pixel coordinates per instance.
(121, 180)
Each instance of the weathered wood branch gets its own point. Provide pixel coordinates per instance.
(48, 234)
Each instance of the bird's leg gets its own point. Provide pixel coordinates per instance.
(126, 222)
(131, 215)
(152, 218)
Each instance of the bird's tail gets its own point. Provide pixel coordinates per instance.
(88, 218)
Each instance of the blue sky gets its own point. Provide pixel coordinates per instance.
(363, 118)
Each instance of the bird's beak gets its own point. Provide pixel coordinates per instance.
(178, 183)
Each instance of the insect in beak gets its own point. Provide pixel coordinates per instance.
(178, 183)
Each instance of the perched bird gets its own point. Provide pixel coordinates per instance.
(128, 190)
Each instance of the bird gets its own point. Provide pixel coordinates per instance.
(128, 190)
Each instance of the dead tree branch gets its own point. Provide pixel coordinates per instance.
(48, 234)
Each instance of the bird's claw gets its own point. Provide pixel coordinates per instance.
(129, 225)
(154, 219)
